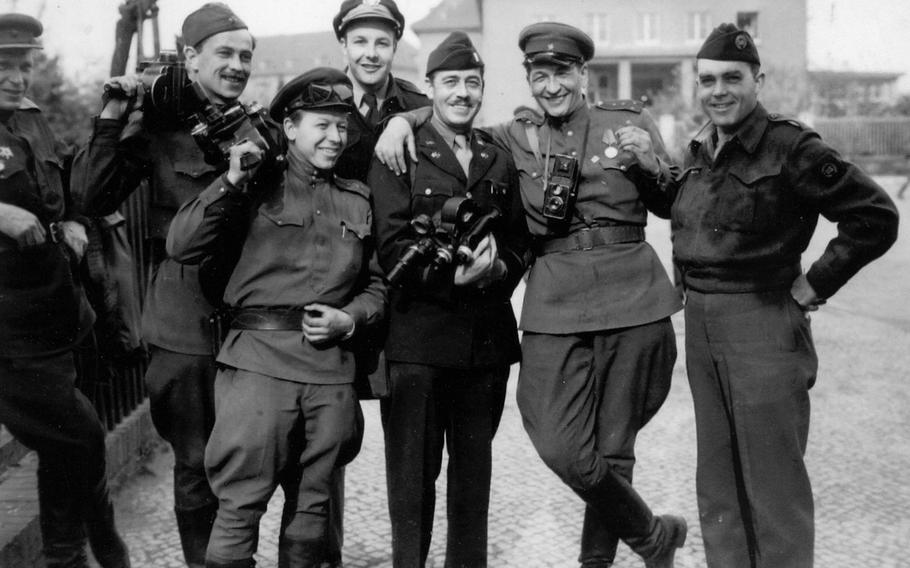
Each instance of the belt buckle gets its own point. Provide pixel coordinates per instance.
(585, 239)
(56, 232)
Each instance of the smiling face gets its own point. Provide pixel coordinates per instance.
(728, 91)
(319, 136)
(558, 89)
(456, 97)
(369, 47)
(15, 76)
(221, 64)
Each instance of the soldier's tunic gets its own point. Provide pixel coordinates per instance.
(741, 221)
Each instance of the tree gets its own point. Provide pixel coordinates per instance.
(68, 111)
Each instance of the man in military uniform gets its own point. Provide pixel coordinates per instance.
(44, 315)
(452, 334)
(151, 145)
(368, 31)
(598, 347)
(743, 211)
(303, 286)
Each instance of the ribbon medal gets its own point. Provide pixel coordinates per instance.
(612, 150)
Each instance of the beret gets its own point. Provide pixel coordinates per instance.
(729, 43)
(18, 31)
(455, 52)
(554, 42)
(210, 19)
(352, 10)
(322, 88)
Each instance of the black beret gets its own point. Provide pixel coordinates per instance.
(729, 43)
(18, 31)
(351, 10)
(210, 19)
(553, 42)
(456, 52)
(322, 88)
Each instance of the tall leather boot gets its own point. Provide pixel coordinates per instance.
(230, 564)
(195, 527)
(301, 553)
(60, 517)
(658, 548)
(598, 544)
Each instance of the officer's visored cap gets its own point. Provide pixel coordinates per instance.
(729, 43)
(19, 31)
(210, 19)
(554, 42)
(455, 53)
(322, 88)
(353, 10)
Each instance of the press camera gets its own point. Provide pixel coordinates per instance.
(561, 188)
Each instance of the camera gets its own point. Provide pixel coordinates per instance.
(216, 130)
(561, 188)
(462, 225)
(167, 93)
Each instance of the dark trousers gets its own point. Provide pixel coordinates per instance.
(430, 408)
(751, 362)
(41, 407)
(270, 432)
(583, 398)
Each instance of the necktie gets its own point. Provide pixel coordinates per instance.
(463, 152)
(369, 99)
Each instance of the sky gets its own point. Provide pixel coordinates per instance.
(867, 35)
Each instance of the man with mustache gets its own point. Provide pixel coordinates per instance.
(598, 347)
(452, 333)
(303, 286)
(743, 211)
(125, 149)
(44, 314)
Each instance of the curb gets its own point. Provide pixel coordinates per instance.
(20, 535)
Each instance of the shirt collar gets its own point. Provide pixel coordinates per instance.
(383, 93)
(749, 133)
(446, 133)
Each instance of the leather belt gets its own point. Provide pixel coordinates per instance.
(264, 319)
(587, 239)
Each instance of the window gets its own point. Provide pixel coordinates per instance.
(599, 27)
(647, 27)
(748, 21)
(698, 26)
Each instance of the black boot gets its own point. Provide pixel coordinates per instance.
(195, 527)
(60, 518)
(300, 554)
(658, 548)
(230, 564)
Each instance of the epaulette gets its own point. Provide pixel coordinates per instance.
(353, 185)
(408, 86)
(483, 135)
(529, 115)
(776, 117)
(622, 104)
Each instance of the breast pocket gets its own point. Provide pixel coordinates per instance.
(745, 204)
(428, 197)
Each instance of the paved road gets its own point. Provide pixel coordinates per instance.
(859, 454)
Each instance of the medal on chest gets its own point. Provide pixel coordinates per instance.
(612, 149)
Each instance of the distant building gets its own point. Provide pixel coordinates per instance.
(848, 93)
(278, 59)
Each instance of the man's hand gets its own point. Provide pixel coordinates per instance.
(484, 267)
(121, 92)
(322, 323)
(805, 295)
(395, 139)
(21, 225)
(637, 141)
(236, 174)
(74, 236)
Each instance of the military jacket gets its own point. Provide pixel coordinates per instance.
(308, 240)
(607, 287)
(355, 161)
(112, 165)
(432, 321)
(742, 219)
(43, 308)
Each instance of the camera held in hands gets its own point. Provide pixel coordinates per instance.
(561, 188)
(462, 225)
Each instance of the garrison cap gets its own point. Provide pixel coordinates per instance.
(210, 19)
(554, 42)
(18, 31)
(322, 88)
(729, 43)
(352, 10)
(456, 52)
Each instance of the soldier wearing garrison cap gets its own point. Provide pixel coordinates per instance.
(452, 336)
(598, 347)
(305, 284)
(44, 314)
(745, 208)
(122, 152)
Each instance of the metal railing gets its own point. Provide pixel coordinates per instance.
(866, 136)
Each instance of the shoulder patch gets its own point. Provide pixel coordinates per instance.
(622, 104)
(529, 115)
(779, 118)
(353, 185)
(408, 86)
(829, 170)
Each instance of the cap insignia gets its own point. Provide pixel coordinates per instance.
(550, 46)
(371, 2)
(476, 57)
(6, 152)
(741, 42)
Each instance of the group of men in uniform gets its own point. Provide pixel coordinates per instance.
(319, 222)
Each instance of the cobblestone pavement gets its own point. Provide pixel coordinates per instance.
(858, 457)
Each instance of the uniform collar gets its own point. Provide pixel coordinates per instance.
(300, 168)
(446, 133)
(749, 133)
(384, 93)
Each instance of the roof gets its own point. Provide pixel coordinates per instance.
(296, 53)
(451, 15)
